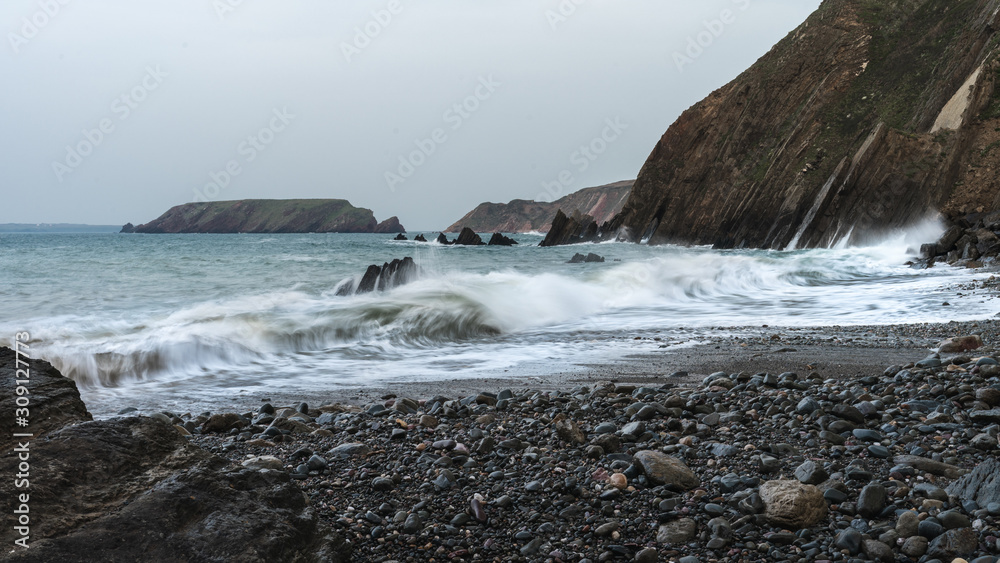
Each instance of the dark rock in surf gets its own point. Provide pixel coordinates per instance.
(570, 230)
(396, 273)
(400, 236)
(419, 238)
(589, 258)
(369, 280)
(443, 239)
(499, 239)
(389, 275)
(468, 237)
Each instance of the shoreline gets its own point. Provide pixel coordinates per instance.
(839, 352)
(628, 461)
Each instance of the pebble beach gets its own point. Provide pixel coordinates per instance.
(838, 456)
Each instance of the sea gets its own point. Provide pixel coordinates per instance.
(173, 319)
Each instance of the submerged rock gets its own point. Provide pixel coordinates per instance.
(589, 258)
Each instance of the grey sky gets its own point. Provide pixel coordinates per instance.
(198, 81)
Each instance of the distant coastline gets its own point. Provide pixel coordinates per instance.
(271, 216)
(73, 228)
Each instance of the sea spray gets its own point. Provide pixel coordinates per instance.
(213, 314)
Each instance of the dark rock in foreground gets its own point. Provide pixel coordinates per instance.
(400, 236)
(419, 238)
(134, 489)
(54, 399)
(981, 486)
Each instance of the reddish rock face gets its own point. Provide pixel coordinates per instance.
(521, 216)
(861, 120)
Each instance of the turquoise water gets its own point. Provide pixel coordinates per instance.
(167, 315)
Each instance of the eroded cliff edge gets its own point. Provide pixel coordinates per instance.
(522, 216)
(869, 116)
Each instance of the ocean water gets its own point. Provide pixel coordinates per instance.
(170, 317)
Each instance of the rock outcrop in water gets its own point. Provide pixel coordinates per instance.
(468, 237)
(522, 216)
(571, 230)
(869, 116)
(387, 276)
(965, 243)
(134, 489)
(499, 239)
(588, 259)
(270, 216)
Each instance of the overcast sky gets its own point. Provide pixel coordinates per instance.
(416, 109)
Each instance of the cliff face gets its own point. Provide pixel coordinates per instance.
(267, 216)
(521, 216)
(869, 116)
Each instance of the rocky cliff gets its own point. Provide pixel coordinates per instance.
(269, 216)
(869, 116)
(136, 489)
(390, 226)
(521, 216)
